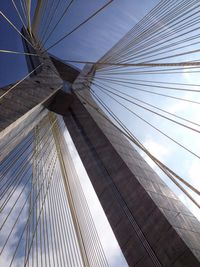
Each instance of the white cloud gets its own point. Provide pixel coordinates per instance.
(183, 105)
(194, 172)
(157, 150)
(14, 237)
(179, 106)
(194, 179)
(189, 77)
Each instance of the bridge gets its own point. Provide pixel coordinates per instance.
(45, 216)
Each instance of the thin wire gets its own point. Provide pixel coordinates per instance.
(148, 104)
(138, 144)
(159, 94)
(156, 128)
(80, 25)
(147, 109)
(63, 14)
(17, 52)
(20, 17)
(93, 244)
(20, 81)
(6, 18)
(23, 11)
(169, 64)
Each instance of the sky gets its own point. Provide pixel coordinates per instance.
(91, 42)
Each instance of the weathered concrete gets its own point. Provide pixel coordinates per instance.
(24, 105)
(66, 72)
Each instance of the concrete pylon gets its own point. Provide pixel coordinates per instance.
(24, 104)
(151, 224)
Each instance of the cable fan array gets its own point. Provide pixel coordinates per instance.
(45, 219)
(154, 67)
(144, 78)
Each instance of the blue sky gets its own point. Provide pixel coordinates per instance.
(91, 42)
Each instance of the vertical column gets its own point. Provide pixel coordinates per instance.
(144, 214)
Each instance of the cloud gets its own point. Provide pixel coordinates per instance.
(194, 172)
(157, 150)
(14, 238)
(189, 77)
(193, 175)
(183, 105)
(179, 106)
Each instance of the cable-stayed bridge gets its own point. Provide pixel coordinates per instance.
(45, 217)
